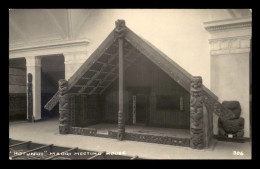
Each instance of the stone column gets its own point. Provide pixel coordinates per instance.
(64, 107)
(33, 66)
(196, 114)
(72, 61)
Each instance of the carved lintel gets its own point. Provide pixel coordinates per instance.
(120, 29)
(196, 114)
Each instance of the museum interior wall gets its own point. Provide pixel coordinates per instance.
(183, 38)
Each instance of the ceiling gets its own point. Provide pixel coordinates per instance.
(236, 13)
(30, 26)
(41, 26)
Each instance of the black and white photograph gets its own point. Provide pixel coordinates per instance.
(130, 84)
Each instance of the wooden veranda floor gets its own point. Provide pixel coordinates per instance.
(103, 129)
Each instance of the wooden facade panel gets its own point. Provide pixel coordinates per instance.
(78, 116)
(111, 105)
(87, 110)
(163, 107)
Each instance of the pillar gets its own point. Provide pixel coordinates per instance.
(196, 114)
(33, 66)
(29, 98)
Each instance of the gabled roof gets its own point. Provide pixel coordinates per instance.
(101, 68)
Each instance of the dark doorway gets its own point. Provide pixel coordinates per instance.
(141, 108)
(17, 89)
(53, 69)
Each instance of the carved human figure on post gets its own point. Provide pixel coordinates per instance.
(196, 114)
(120, 29)
(64, 107)
(119, 34)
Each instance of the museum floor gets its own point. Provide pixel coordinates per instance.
(46, 132)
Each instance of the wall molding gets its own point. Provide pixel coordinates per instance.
(230, 36)
(75, 57)
(50, 48)
(243, 22)
(230, 45)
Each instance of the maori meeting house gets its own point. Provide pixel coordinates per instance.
(164, 94)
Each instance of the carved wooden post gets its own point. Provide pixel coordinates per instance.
(196, 113)
(29, 98)
(64, 107)
(119, 34)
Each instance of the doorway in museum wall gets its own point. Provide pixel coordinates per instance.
(53, 69)
(17, 89)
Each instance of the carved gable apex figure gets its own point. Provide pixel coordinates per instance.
(120, 28)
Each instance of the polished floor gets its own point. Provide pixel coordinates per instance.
(46, 132)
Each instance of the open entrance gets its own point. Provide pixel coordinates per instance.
(52, 69)
(17, 89)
